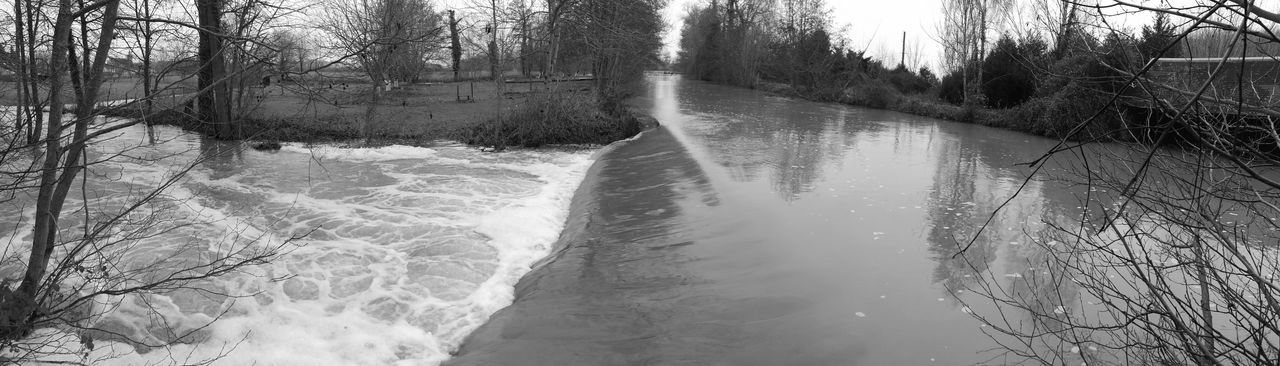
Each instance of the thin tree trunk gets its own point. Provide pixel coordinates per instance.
(19, 50)
(495, 70)
(77, 80)
(33, 93)
(148, 85)
(370, 112)
(455, 46)
(19, 305)
(1207, 358)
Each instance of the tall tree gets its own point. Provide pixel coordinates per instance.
(384, 37)
(1158, 37)
(623, 39)
(214, 93)
(455, 47)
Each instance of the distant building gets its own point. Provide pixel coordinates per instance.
(120, 66)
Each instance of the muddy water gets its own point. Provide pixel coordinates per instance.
(754, 229)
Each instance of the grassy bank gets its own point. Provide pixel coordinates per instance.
(532, 114)
(555, 119)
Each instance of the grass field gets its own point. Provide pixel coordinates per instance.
(112, 89)
(332, 107)
(422, 112)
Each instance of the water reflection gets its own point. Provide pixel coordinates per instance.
(909, 193)
(756, 136)
(223, 158)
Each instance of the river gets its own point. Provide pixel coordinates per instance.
(747, 229)
(406, 249)
(756, 229)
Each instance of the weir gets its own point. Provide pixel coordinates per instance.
(623, 272)
(752, 229)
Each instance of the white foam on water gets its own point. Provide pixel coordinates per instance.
(413, 249)
(410, 249)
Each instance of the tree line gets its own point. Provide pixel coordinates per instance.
(1047, 59)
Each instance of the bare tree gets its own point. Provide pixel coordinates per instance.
(1171, 258)
(30, 19)
(455, 45)
(964, 32)
(142, 36)
(256, 47)
(522, 14)
(384, 37)
(78, 251)
(623, 38)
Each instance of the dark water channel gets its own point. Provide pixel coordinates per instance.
(757, 230)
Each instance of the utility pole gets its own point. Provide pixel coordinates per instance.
(904, 50)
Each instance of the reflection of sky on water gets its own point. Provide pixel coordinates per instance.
(909, 192)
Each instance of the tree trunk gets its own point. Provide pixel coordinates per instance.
(19, 51)
(33, 74)
(495, 70)
(553, 41)
(148, 86)
(18, 307)
(455, 46)
(524, 45)
(215, 97)
(371, 111)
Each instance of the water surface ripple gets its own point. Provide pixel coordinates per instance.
(753, 229)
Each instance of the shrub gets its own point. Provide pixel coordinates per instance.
(1073, 105)
(1007, 80)
(928, 76)
(550, 119)
(1062, 72)
(872, 95)
(952, 88)
(1025, 117)
(907, 82)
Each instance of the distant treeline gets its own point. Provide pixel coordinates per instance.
(1020, 82)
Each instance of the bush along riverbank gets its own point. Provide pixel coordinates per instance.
(1018, 83)
(1015, 95)
(294, 129)
(1051, 116)
(556, 119)
(529, 120)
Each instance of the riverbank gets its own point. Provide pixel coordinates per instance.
(525, 114)
(1053, 116)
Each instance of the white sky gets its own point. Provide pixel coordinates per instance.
(874, 25)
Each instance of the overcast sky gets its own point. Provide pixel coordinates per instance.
(876, 25)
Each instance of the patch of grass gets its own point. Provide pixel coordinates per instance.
(552, 119)
(873, 95)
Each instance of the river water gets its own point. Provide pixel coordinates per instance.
(756, 229)
(406, 249)
(748, 229)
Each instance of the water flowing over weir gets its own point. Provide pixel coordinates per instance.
(408, 249)
(757, 230)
